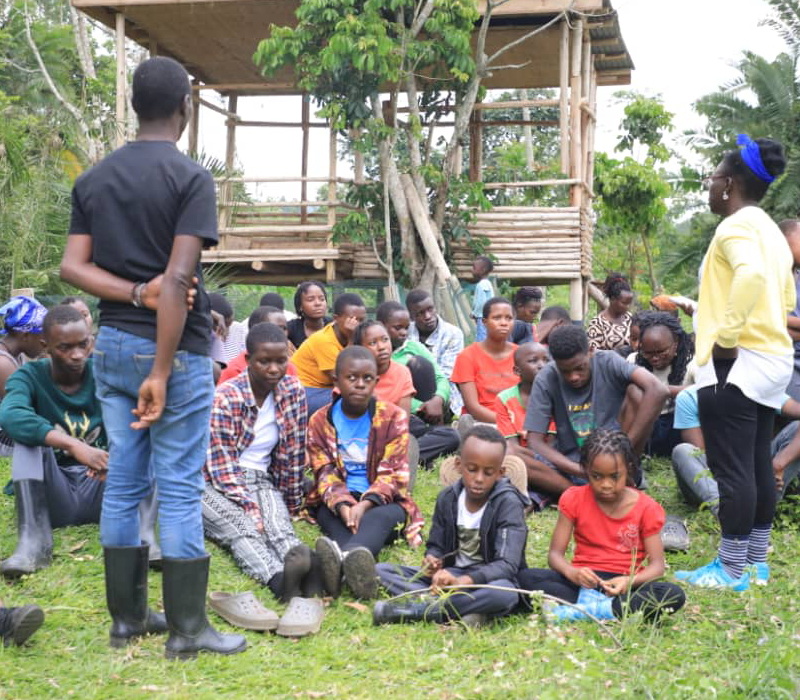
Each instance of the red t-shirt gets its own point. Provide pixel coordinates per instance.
(491, 376)
(238, 365)
(394, 384)
(608, 544)
(510, 414)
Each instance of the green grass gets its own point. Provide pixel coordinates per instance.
(722, 645)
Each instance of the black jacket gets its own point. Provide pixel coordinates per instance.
(503, 532)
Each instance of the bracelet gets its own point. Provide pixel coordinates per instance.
(136, 294)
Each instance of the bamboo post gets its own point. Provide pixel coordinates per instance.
(576, 149)
(475, 146)
(576, 299)
(226, 191)
(330, 265)
(194, 122)
(304, 118)
(586, 115)
(122, 79)
(563, 97)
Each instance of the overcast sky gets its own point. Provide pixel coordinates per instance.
(682, 50)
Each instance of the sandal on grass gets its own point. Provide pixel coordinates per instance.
(243, 610)
(674, 535)
(303, 617)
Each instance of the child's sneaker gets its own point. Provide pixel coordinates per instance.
(759, 573)
(713, 575)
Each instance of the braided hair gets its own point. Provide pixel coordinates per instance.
(615, 285)
(603, 441)
(684, 353)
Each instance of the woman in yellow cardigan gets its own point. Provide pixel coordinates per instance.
(744, 357)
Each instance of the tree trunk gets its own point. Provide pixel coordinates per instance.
(656, 287)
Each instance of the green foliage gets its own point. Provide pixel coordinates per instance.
(646, 122)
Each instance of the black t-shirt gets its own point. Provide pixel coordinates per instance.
(296, 331)
(133, 204)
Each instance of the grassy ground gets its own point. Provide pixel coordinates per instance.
(722, 645)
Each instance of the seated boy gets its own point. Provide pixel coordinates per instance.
(315, 359)
(263, 314)
(583, 391)
(358, 449)
(543, 480)
(552, 317)
(59, 460)
(430, 404)
(695, 481)
(254, 472)
(477, 536)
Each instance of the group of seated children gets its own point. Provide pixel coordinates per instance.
(362, 403)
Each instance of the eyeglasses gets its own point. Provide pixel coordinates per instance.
(708, 179)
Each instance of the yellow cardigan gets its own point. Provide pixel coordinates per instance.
(747, 287)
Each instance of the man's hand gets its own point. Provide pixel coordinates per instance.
(432, 411)
(617, 585)
(152, 399)
(778, 467)
(152, 290)
(219, 325)
(356, 513)
(92, 457)
(431, 564)
(584, 577)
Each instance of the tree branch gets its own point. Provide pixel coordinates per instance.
(72, 109)
(421, 18)
(529, 34)
(510, 65)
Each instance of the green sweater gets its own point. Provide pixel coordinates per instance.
(408, 350)
(34, 405)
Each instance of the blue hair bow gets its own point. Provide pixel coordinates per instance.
(751, 155)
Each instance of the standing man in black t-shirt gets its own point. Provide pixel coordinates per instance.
(140, 219)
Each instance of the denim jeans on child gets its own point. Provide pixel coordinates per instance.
(177, 443)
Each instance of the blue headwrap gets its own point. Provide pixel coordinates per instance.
(751, 155)
(22, 314)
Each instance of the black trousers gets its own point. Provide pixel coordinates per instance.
(379, 526)
(737, 433)
(653, 598)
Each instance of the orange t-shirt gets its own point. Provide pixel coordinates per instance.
(491, 376)
(394, 384)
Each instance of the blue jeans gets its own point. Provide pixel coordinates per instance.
(177, 443)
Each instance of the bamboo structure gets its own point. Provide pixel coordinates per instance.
(285, 242)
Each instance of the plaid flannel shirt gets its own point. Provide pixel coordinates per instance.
(233, 418)
(445, 343)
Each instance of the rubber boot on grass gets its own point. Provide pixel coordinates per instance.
(389, 613)
(126, 595)
(185, 586)
(35, 535)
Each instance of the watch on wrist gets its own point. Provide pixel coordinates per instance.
(136, 294)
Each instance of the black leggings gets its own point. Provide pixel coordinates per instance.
(737, 433)
(378, 527)
(653, 598)
(423, 375)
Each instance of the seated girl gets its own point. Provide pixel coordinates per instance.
(311, 306)
(394, 384)
(358, 449)
(667, 351)
(616, 528)
(486, 367)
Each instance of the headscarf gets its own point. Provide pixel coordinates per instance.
(23, 315)
(751, 155)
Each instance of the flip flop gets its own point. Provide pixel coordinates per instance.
(243, 610)
(303, 617)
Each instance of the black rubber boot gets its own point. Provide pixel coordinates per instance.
(389, 613)
(185, 585)
(35, 536)
(18, 624)
(126, 595)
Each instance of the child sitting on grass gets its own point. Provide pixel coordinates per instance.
(510, 407)
(616, 528)
(486, 367)
(358, 449)
(477, 536)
